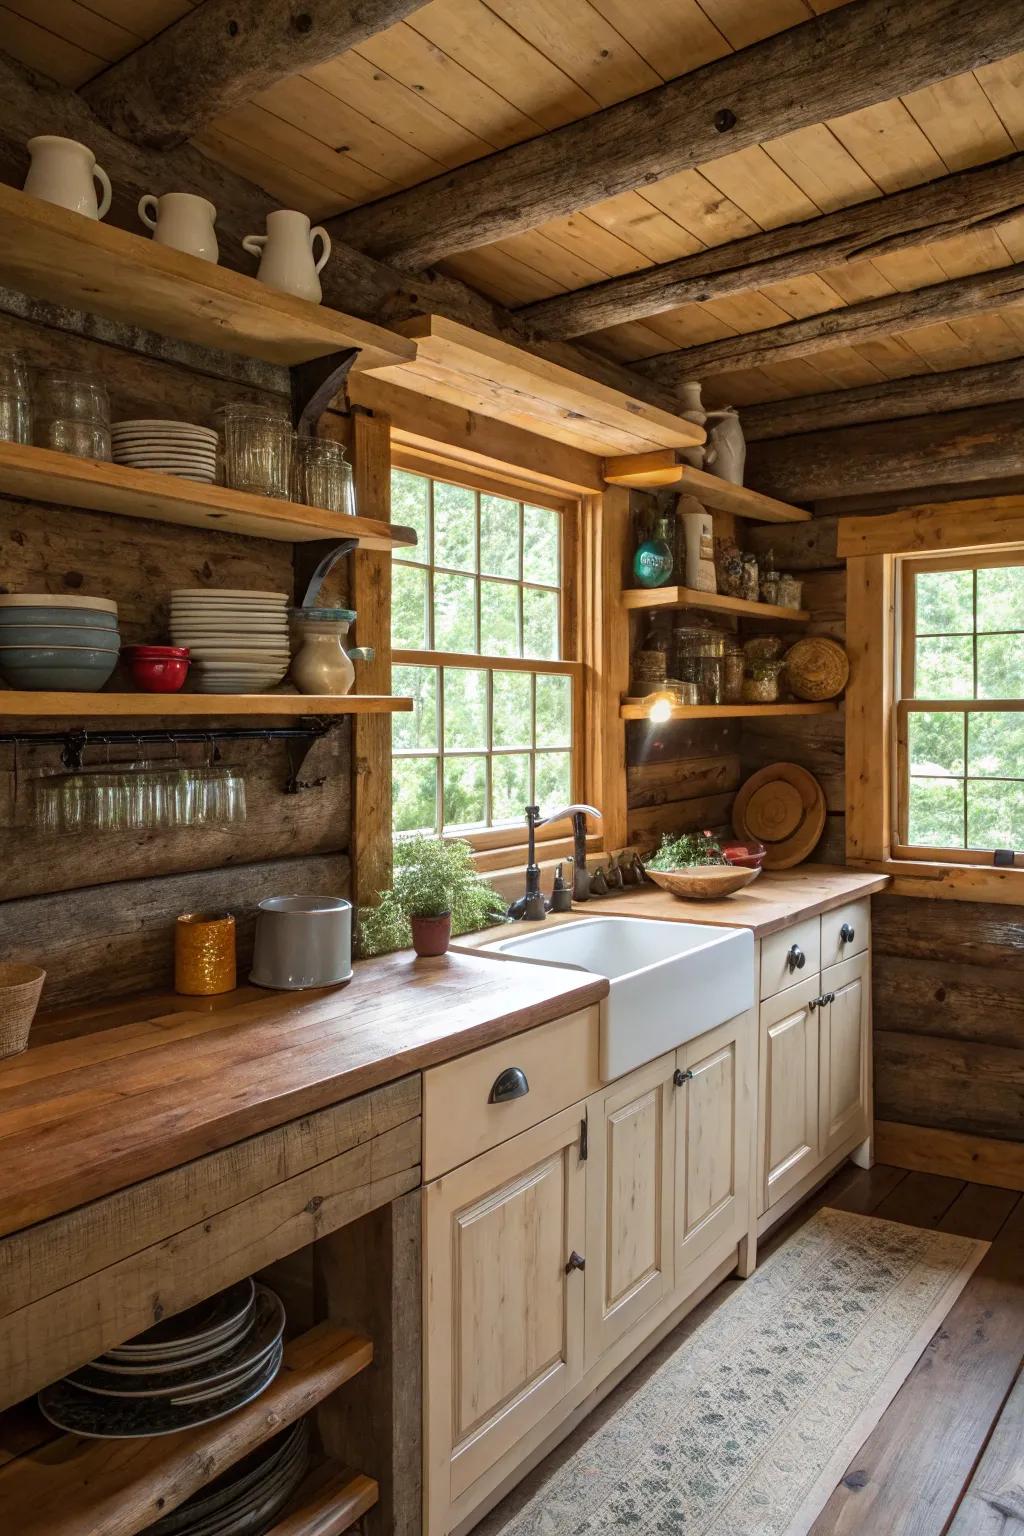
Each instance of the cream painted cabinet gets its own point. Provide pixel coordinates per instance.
(504, 1288)
(630, 1179)
(789, 1098)
(844, 1025)
(715, 1109)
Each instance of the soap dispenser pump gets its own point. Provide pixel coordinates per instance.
(561, 895)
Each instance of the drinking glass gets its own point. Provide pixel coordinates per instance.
(322, 476)
(15, 398)
(257, 449)
(72, 414)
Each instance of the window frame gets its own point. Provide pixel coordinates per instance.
(492, 843)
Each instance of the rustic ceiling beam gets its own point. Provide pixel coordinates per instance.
(951, 447)
(976, 199)
(853, 57)
(856, 323)
(985, 384)
(223, 53)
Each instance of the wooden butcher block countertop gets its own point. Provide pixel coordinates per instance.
(109, 1096)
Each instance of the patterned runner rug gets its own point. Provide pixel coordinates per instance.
(744, 1426)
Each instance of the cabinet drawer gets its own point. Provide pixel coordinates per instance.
(559, 1062)
(855, 916)
(777, 972)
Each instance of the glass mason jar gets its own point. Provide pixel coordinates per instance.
(732, 673)
(322, 476)
(257, 448)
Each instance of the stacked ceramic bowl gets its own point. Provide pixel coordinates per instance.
(169, 447)
(188, 1370)
(249, 1495)
(238, 640)
(69, 644)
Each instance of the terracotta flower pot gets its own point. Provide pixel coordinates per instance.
(431, 935)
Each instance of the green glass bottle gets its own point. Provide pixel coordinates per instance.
(652, 563)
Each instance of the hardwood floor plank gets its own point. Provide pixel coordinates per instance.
(994, 1503)
(866, 1193)
(921, 1199)
(980, 1211)
(849, 1189)
(908, 1476)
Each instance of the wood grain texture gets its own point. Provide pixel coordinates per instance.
(221, 55)
(986, 384)
(76, 1133)
(826, 67)
(984, 1159)
(993, 1501)
(932, 211)
(938, 526)
(330, 1501)
(937, 997)
(958, 1085)
(772, 903)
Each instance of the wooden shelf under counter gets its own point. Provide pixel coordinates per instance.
(16, 704)
(67, 259)
(76, 1487)
(715, 602)
(329, 1502)
(39, 474)
(639, 709)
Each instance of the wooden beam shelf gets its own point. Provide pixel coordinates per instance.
(67, 259)
(16, 704)
(639, 709)
(493, 378)
(328, 1502)
(76, 1487)
(687, 597)
(664, 469)
(39, 474)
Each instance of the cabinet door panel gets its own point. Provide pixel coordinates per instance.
(789, 1045)
(629, 1202)
(714, 1123)
(504, 1338)
(845, 1043)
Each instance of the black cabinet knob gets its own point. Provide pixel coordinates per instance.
(796, 959)
(679, 1077)
(847, 934)
(814, 1003)
(576, 1261)
(508, 1085)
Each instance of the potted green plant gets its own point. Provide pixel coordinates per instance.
(434, 893)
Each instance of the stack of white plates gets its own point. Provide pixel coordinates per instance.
(168, 447)
(238, 639)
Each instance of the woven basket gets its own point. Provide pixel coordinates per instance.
(20, 988)
(817, 668)
(703, 882)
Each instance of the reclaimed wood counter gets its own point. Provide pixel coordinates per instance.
(102, 1101)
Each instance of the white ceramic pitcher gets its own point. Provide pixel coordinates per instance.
(286, 254)
(183, 221)
(65, 172)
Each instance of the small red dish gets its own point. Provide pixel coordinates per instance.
(158, 668)
(744, 855)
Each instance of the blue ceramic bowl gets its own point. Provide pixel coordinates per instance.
(50, 613)
(91, 637)
(38, 668)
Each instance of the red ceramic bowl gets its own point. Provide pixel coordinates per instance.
(158, 668)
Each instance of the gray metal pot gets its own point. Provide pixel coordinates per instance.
(302, 941)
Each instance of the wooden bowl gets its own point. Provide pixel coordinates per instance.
(703, 882)
(783, 807)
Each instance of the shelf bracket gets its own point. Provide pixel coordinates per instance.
(299, 748)
(329, 551)
(315, 384)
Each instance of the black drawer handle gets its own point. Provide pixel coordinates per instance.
(576, 1261)
(679, 1077)
(796, 959)
(508, 1085)
(847, 934)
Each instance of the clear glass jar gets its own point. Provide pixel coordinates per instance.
(791, 591)
(257, 448)
(764, 648)
(733, 663)
(761, 682)
(750, 583)
(72, 397)
(321, 475)
(15, 415)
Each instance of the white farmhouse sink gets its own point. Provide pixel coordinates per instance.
(669, 981)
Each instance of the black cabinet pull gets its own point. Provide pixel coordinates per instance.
(508, 1085)
(796, 959)
(576, 1261)
(847, 934)
(584, 1140)
(814, 1003)
(679, 1077)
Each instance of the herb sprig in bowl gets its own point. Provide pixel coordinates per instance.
(688, 851)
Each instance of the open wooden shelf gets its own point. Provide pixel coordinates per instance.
(68, 259)
(329, 1501)
(76, 1487)
(16, 704)
(638, 709)
(664, 470)
(39, 474)
(493, 378)
(716, 602)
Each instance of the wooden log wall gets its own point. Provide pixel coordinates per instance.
(97, 909)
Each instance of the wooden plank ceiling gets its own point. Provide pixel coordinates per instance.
(461, 78)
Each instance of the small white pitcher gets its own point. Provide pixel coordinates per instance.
(286, 254)
(63, 172)
(183, 221)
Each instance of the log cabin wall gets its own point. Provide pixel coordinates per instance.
(97, 909)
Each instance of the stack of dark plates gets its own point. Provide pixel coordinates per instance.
(187, 1370)
(249, 1496)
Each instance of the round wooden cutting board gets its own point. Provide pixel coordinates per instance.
(783, 806)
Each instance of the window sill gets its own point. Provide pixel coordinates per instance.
(948, 882)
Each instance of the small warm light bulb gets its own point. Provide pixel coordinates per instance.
(660, 711)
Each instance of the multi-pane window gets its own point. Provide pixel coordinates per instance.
(960, 737)
(477, 629)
